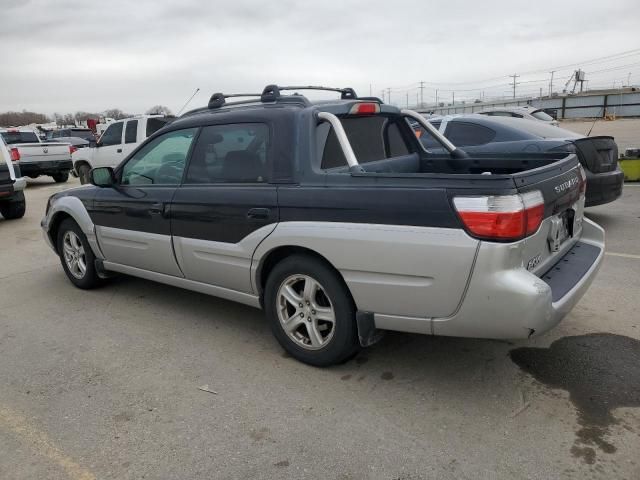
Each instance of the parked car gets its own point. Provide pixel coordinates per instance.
(335, 220)
(500, 136)
(118, 140)
(526, 111)
(76, 136)
(37, 158)
(12, 201)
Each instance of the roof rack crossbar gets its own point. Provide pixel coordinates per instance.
(272, 92)
(217, 100)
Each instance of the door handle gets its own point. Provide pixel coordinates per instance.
(156, 209)
(119, 150)
(258, 213)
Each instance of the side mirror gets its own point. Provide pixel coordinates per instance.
(102, 177)
(93, 143)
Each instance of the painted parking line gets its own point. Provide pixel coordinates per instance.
(623, 255)
(25, 431)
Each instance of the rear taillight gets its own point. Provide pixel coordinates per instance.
(503, 217)
(15, 154)
(583, 179)
(72, 149)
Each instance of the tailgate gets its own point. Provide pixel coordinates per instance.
(39, 152)
(598, 154)
(564, 195)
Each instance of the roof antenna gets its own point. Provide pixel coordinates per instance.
(190, 98)
(594, 122)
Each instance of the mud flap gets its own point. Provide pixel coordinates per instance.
(368, 334)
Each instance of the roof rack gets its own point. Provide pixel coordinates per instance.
(217, 100)
(271, 93)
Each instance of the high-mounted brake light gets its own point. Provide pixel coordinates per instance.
(365, 108)
(503, 217)
(72, 149)
(15, 154)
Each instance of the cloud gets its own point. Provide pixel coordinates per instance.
(75, 55)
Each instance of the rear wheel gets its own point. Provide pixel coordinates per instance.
(15, 208)
(76, 256)
(311, 311)
(83, 173)
(61, 177)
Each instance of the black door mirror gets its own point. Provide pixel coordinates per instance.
(102, 177)
(93, 143)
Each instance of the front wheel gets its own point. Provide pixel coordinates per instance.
(76, 256)
(61, 177)
(311, 312)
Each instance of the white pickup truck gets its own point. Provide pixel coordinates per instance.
(118, 140)
(37, 158)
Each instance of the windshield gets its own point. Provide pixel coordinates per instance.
(541, 115)
(14, 137)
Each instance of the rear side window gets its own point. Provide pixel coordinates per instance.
(464, 134)
(112, 135)
(371, 138)
(12, 138)
(234, 153)
(155, 124)
(131, 131)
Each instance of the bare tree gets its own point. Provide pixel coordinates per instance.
(115, 113)
(159, 110)
(16, 119)
(84, 116)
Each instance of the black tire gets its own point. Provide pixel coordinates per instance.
(61, 177)
(83, 173)
(343, 343)
(90, 279)
(15, 208)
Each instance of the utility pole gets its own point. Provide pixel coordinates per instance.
(540, 92)
(382, 95)
(551, 83)
(436, 97)
(514, 76)
(407, 99)
(629, 79)
(421, 94)
(453, 98)
(417, 99)
(389, 94)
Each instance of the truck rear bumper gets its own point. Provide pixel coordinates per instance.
(518, 304)
(514, 303)
(30, 169)
(603, 187)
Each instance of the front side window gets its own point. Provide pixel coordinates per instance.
(234, 153)
(154, 124)
(161, 161)
(131, 132)
(541, 115)
(112, 135)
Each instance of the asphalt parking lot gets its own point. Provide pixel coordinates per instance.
(105, 384)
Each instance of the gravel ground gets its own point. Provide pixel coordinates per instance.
(105, 384)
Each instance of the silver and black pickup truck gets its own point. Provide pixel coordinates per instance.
(37, 158)
(333, 218)
(12, 201)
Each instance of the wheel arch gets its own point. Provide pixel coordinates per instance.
(71, 207)
(270, 259)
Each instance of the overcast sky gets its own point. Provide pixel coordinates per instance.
(70, 55)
